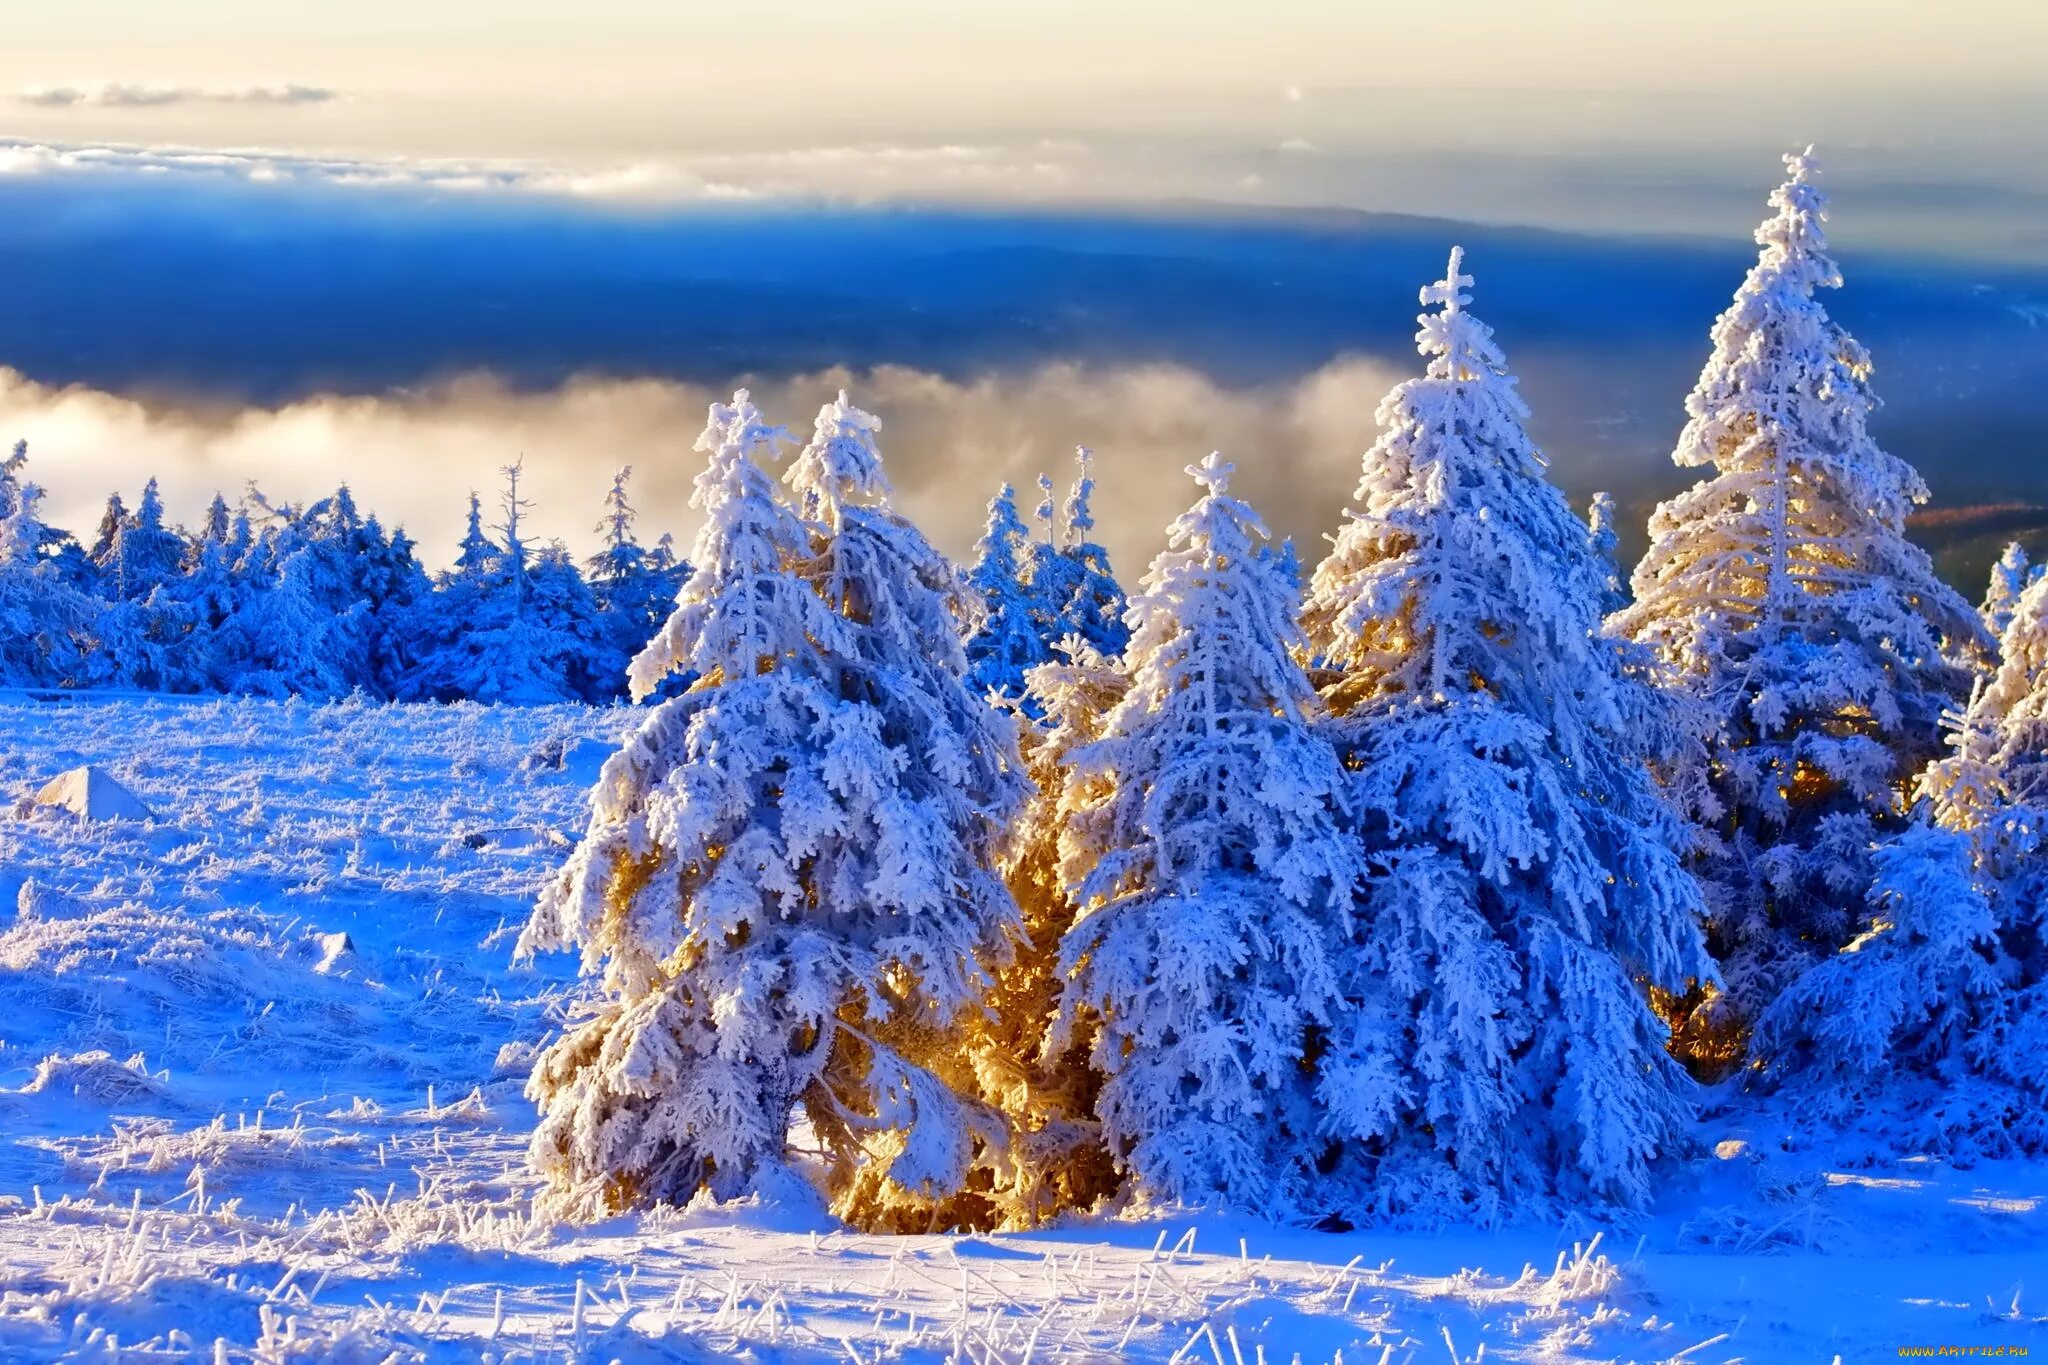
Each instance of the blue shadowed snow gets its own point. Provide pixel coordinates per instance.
(318, 1150)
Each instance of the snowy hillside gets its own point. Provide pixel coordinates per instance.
(261, 1062)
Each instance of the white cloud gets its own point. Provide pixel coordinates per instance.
(118, 95)
(413, 456)
(861, 173)
(1026, 170)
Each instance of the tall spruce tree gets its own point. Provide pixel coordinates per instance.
(1782, 591)
(788, 885)
(1045, 1083)
(1205, 853)
(1524, 874)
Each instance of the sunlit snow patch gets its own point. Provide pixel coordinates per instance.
(90, 794)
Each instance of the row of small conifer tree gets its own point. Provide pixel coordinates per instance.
(318, 600)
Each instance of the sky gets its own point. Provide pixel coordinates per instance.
(402, 243)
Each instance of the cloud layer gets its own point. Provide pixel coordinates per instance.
(949, 443)
(120, 95)
(864, 173)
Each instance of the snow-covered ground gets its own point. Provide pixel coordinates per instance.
(228, 1132)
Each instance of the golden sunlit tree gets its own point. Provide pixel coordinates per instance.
(1782, 592)
(789, 888)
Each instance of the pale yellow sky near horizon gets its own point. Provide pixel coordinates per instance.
(616, 76)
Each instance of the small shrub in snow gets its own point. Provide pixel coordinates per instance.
(98, 1077)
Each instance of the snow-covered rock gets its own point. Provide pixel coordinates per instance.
(337, 953)
(90, 794)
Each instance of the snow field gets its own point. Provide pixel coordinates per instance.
(226, 1136)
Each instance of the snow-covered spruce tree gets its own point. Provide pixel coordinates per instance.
(111, 522)
(1094, 607)
(476, 551)
(1524, 878)
(1783, 592)
(1005, 642)
(1600, 520)
(513, 651)
(1286, 562)
(143, 636)
(1058, 1161)
(788, 882)
(1206, 855)
(1992, 790)
(487, 634)
(215, 531)
(213, 591)
(45, 623)
(1921, 1032)
(633, 595)
(1993, 785)
(282, 640)
(877, 569)
(2008, 580)
(143, 553)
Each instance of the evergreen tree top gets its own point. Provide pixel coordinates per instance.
(1462, 571)
(476, 550)
(150, 514)
(1794, 239)
(841, 465)
(2009, 578)
(1079, 518)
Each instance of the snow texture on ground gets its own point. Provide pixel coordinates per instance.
(260, 1072)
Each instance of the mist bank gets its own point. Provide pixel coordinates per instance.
(413, 456)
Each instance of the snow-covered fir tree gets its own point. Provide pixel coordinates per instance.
(143, 554)
(1005, 642)
(111, 522)
(213, 591)
(215, 529)
(486, 634)
(619, 557)
(1206, 854)
(1032, 591)
(281, 639)
(1285, 559)
(1992, 791)
(477, 552)
(788, 886)
(1525, 879)
(1600, 521)
(559, 603)
(45, 623)
(1094, 607)
(2009, 577)
(1993, 785)
(1784, 594)
(633, 592)
(1047, 1088)
(1923, 1032)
